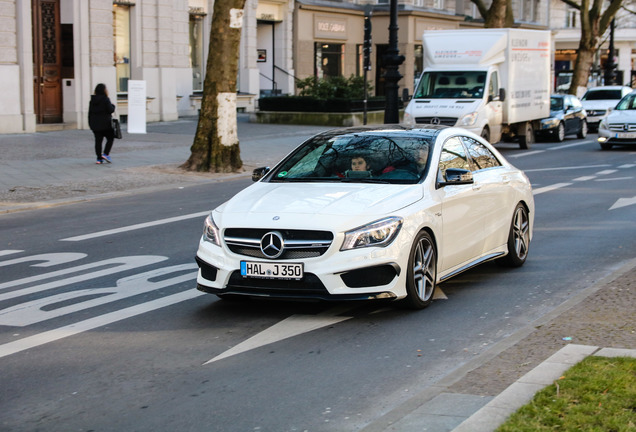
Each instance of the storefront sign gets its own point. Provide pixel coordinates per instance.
(330, 28)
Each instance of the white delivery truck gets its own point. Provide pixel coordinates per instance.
(493, 82)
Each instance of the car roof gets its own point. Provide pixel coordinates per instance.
(427, 131)
(611, 87)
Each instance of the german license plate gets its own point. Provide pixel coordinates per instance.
(626, 135)
(272, 270)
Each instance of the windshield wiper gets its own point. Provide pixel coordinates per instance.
(305, 179)
(363, 180)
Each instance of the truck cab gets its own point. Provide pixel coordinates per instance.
(469, 98)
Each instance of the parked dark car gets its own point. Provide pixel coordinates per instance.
(567, 117)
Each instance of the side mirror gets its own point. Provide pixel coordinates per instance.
(405, 95)
(259, 173)
(502, 94)
(457, 176)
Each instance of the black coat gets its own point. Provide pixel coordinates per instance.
(100, 112)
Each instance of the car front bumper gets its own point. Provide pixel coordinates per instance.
(358, 274)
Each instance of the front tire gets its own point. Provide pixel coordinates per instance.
(559, 134)
(421, 276)
(485, 134)
(518, 238)
(583, 131)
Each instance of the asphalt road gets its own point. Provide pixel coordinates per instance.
(101, 327)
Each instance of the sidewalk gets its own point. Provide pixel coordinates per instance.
(50, 167)
(55, 168)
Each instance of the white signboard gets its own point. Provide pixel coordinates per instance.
(136, 106)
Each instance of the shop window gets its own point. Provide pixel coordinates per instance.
(196, 51)
(359, 60)
(121, 30)
(328, 59)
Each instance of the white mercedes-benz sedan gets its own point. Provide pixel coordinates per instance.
(382, 212)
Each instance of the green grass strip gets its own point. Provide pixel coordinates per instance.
(597, 394)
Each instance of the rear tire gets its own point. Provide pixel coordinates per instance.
(518, 238)
(526, 140)
(421, 275)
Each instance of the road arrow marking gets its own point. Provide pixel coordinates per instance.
(623, 202)
(292, 326)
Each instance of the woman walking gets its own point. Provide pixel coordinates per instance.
(100, 111)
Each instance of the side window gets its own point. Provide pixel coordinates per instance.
(493, 87)
(453, 156)
(481, 156)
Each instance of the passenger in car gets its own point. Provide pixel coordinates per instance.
(358, 163)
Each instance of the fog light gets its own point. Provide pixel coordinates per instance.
(602, 139)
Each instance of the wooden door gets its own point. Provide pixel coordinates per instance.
(47, 62)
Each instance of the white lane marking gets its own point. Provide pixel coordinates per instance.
(92, 323)
(46, 308)
(292, 326)
(613, 179)
(136, 227)
(112, 265)
(627, 166)
(49, 260)
(606, 172)
(623, 202)
(9, 252)
(584, 178)
(550, 188)
(530, 153)
(566, 168)
(570, 145)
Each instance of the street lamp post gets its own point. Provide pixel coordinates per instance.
(392, 61)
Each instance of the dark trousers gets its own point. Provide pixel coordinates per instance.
(99, 137)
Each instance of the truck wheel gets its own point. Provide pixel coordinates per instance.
(526, 140)
(485, 134)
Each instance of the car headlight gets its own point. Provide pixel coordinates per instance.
(468, 119)
(602, 124)
(211, 231)
(379, 233)
(408, 120)
(550, 123)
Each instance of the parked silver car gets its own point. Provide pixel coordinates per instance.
(597, 101)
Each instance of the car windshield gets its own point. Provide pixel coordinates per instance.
(365, 157)
(456, 85)
(627, 103)
(602, 95)
(556, 103)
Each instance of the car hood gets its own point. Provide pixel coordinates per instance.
(263, 201)
(599, 104)
(622, 116)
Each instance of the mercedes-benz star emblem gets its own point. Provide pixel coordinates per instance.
(272, 244)
(436, 120)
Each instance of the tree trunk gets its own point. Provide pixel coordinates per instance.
(216, 145)
(496, 17)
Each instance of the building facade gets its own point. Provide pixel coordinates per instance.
(54, 52)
